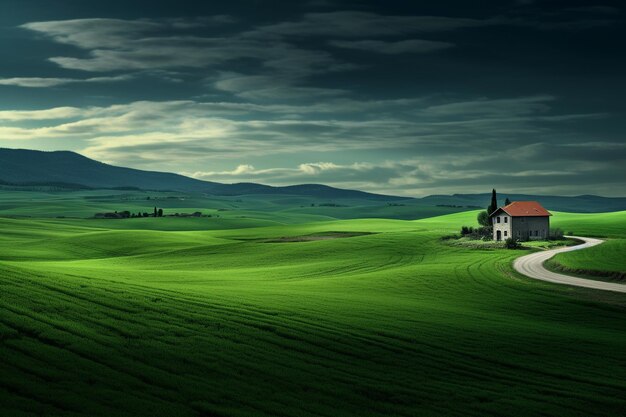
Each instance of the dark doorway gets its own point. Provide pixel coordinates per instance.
(498, 235)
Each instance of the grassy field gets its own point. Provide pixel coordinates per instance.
(276, 208)
(606, 261)
(612, 225)
(237, 316)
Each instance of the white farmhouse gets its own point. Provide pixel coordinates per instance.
(522, 220)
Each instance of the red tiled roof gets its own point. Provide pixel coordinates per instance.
(525, 208)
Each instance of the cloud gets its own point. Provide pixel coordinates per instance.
(419, 176)
(111, 33)
(446, 145)
(352, 124)
(262, 87)
(392, 48)
(519, 106)
(274, 61)
(358, 174)
(149, 44)
(114, 44)
(358, 24)
(37, 82)
(279, 64)
(47, 114)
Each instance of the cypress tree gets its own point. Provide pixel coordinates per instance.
(494, 202)
(155, 212)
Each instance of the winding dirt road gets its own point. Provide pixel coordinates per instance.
(532, 266)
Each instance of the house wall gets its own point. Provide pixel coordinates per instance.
(504, 226)
(524, 228)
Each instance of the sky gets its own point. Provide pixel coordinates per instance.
(394, 97)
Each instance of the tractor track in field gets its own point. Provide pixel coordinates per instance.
(532, 267)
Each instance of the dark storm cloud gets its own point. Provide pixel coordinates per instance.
(398, 47)
(396, 98)
(356, 24)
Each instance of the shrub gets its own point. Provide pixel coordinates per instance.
(477, 233)
(465, 230)
(511, 243)
(556, 234)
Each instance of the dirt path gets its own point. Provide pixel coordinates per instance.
(532, 266)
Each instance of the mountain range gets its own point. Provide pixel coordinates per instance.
(72, 170)
(65, 169)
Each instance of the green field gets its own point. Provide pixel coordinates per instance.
(234, 316)
(606, 261)
(276, 208)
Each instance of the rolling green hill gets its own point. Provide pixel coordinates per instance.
(73, 171)
(173, 316)
(605, 261)
(577, 204)
(277, 208)
(49, 172)
(592, 225)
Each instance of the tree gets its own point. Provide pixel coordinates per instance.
(483, 219)
(155, 212)
(507, 201)
(160, 212)
(511, 243)
(494, 202)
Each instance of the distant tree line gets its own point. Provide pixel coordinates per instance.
(157, 212)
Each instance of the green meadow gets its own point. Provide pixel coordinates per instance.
(278, 309)
(606, 261)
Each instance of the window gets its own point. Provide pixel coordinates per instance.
(518, 233)
(505, 232)
(498, 219)
(536, 233)
(506, 220)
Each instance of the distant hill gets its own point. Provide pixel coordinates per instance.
(69, 170)
(576, 204)
(22, 167)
